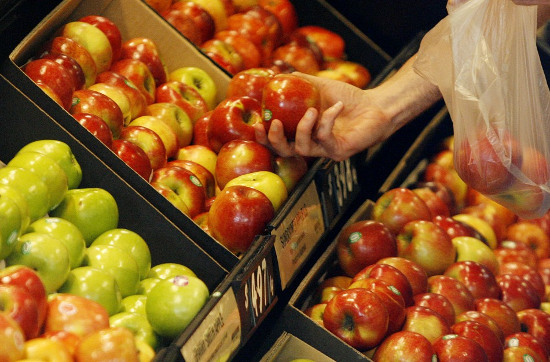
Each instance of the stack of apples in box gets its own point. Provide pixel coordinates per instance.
(439, 271)
(75, 286)
(247, 34)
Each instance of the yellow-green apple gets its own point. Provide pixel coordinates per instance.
(134, 303)
(169, 270)
(237, 215)
(117, 95)
(457, 293)
(395, 207)
(19, 304)
(359, 75)
(436, 302)
(71, 48)
(287, 97)
(414, 273)
(110, 29)
(90, 101)
(137, 100)
(315, 312)
(358, 317)
(183, 24)
(146, 50)
(248, 51)
(363, 243)
(205, 177)
(238, 157)
(185, 183)
(267, 182)
(472, 249)
(200, 80)
(249, 82)
(117, 262)
(93, 210)
(173, 303)
(531, 234)
(536, 322)
(13, 339)
(524, 339)
(45, 254)
(517, 251)
(183, 95)
(477, 277)
(427, 244)
(138, 324)
(108, 344)
(30, 186)
(46, 349)
(481, 226)
(66, 232)
(200, 130)
(139, 74)
(233, 118)
(149, 141)
(47, 170)
(69, 339)
(96, 126)
(449, 346)
(202, 19)
(517, 292)
(71, 65)
(133, 156)
(27, 278)
(162, 129)
(505, 317)
(482, 318)
(131, 242)
(426, 322)
(200, 154)
(390, 297)
(62, 154)
(528, 273)
(403, 346)
(331, 43)
(223, 54)
(92, 39)
(11, 228)
(177, 118)
(15, 196)
(94, 284)
(291, 169)
(54, 75)
(217, 11)
(171, 196)
(145, 285)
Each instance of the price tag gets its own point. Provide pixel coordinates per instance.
(298, 234)
(219, 334)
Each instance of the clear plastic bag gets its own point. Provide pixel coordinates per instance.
(484, 59)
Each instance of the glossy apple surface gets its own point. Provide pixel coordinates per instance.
(478, 278)
(267, 182)
(146, 50)
(149, 141)
(96, 126)
(54, 75)
(31, 187)
(426, 322)
(139, 74)
(200, 80)
(110, 29)
(414, 273)
(405, 345)
(134, 156)
(90, 101)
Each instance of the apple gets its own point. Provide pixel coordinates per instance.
(176, 118)
(501, 313)
(483, 335)
(517, 292)
(169, 270)
(138, 324)
(403, 346)
(12, 338)
(217, 11)
(21, 306)
(185, 183)
(391, 275)
(537, 323)
(249, 82)
(543, 267)
(200, 154)
(171, 196)
(108, 344)
(267, 182)
(438, 303)
(427, 244)
(184, 24)
(395, 207)
(477, 277)
(359, 75)
(159, 5)
(173, 303)
(528, 273)
(162, 129)
(453, 347)
(456, 228)
(457, 293)
(414, 273)
(148, 141)
(202, 19)
(205, 177)
(92, 210)
(482, 318)
(134, 303)
(248, 51)
(117, 95)
(481, 226)
(286, 15)
(255, 29)
(363, 243)
(531, 234)
(335, 75)
(200, 80)
(71, 65)
(472, 249)
(524, 339)
(139, 74)
(425, 321)
(291, 169)
(331, 43)
(50, 93)
(145, 285)
(11, 228)
(146, 50)
(436, 205)
(68, 339)
(133, 156)
(329, 287)
(237, 215)
(92, 39)
(492, 215)
(66, 232)
(62, 154)
(137, 100)
(224, 54)
(200, 131)
(287, 97)
(45, 254)
(299, 57)
(515, 251)
(110, 29)
(31, 187)
(315, 312)
(54, 75)
(274, 29)
(12, 195)
(183, 95)
(131, 242)
(520, 353)
(42, 349)
(90, 101)
(96, 126)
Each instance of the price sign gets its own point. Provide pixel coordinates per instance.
(219, 334)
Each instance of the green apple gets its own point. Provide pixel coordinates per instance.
(470, 248)
(31, 187)
(267, 182)
(130, 242)
(95, 284)
(10, 227)
(173, 303)
(66, 232)
(169, 270)
(146, 285)
(47, 170)
(92, 210)
(138, 324)
(117, 262)
(200, 80)
(14, 195)
(45, 254)
(134, 303)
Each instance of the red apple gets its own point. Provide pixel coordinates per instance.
(490, 214)
(19, 304)
(233, 118)
(54, 75)
(117, 95)
(531, 234)
(146, 50)
(358, 317)
(459, 296)
(150, 142)
(483, 335)
(200, 131)
(520, 354)
(524, 339)
(315, 312)
(515, 251)
(528, 273)
(69, 339)
(426, 322)
(414, 273)
(13, 339)
(363, 243)
(456, 228)
(97, 126)
(438, 303)
(537, 323)
(453, 347)
(249, 82)
(256, 30)
(476, 277)
(500, 312)
(331, 43)
(183, 23)
(203, 174)
(291, 169)
(482, 318)
(436, 205)
(139, 74)
(134, 156)
(299, 57)
(163, 129)
(138, 103)
(543, 222)
(404, 346)
(436, 172)
(518, 293)
(184, 96)
(172, 196)
(176, 118)
(71, 65)
(224, 54)
(110, 29)
(274, 35)
(543, 267)
(391, 275)
(89, 101)
(237, 215)
(248, 51)
(202, 19)
(329, 287)
(358, 74)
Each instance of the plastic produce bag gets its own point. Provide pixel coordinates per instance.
(483, 57)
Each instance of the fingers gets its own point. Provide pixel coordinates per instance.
(275, 138)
